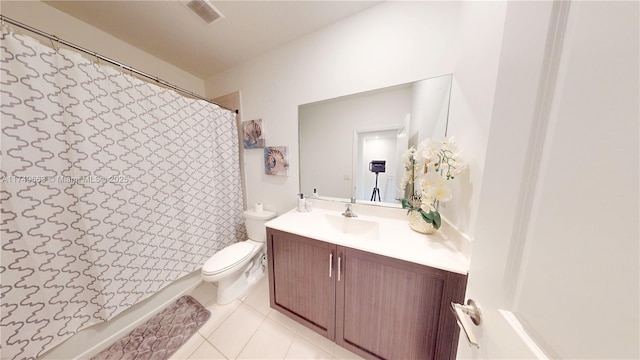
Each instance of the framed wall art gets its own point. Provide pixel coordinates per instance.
(276, 160)
(253, 134)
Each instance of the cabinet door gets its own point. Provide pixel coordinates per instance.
(301, 281)
(393, 309)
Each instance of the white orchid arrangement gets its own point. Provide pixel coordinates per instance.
(427, 170)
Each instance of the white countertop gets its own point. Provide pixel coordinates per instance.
(379, 230)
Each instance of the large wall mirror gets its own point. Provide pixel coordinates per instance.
(344, 140)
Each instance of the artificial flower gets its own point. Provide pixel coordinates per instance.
(427, 169)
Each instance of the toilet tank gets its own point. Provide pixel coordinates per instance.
(254, 221)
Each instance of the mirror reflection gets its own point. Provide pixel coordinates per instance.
(351, 146)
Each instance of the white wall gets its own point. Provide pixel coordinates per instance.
(53, 21)
(389, 44)
(479, 42)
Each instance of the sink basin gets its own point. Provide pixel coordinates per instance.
(352, 226)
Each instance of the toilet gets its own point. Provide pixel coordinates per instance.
(239, 265)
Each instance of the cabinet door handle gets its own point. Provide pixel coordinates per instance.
(330, 264)
(339, 267)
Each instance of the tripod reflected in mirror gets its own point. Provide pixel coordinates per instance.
(376, 166)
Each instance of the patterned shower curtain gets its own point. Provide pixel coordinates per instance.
(111, 189)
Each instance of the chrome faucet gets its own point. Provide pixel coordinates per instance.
(349, 213)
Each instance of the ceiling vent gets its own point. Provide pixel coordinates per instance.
(205, 10)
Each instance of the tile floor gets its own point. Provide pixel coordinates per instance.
(249, 329)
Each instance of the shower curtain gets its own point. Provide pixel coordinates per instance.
(111, 189)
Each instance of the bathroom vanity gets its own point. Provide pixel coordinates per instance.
(369, 283)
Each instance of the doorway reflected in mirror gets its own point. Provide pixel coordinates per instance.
(338, 138)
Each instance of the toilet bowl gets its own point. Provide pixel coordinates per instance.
(239, 265)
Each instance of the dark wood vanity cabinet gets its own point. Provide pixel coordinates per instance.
(394, 309)
(299, 280)
(377, 307)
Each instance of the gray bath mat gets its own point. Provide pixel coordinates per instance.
(161, 335)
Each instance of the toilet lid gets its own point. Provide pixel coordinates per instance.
(227, 258)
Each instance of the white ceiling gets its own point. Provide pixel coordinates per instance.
(171, 32)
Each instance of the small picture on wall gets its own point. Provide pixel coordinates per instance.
(252, 134)
(276, 160)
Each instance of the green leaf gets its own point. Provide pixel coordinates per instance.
(432, 217)
(426, 216)
(437, 220)
(406, 204)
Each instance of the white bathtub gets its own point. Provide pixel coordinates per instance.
(90, 341)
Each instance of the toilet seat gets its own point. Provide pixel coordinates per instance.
(227, 258)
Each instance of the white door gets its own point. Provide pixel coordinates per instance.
(555, 254)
